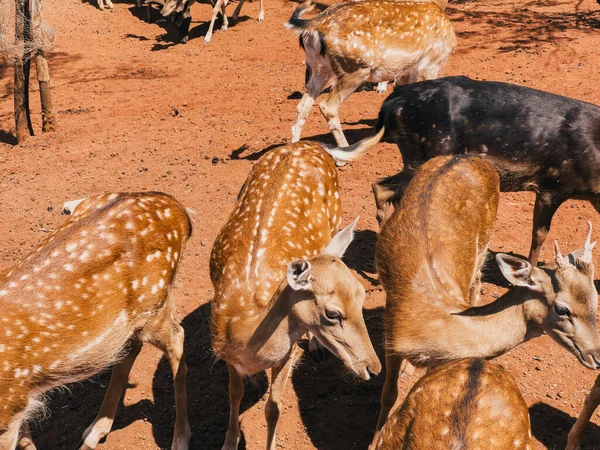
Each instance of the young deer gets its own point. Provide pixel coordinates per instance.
(86, 298)
(277, 273)
(469, 404)
(429, 255)
(369, 40)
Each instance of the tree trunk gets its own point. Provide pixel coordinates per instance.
(43, 74)
(21, 96)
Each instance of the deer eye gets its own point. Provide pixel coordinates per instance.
(562, 310)
(333, 315)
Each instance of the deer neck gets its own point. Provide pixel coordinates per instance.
(269, 336)
(496, 328)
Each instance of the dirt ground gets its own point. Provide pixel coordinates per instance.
(138, 112)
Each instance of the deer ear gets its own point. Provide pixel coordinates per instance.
(298, 274)
(340, 242)
(517, 271)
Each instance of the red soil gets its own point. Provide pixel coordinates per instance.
(137, 112)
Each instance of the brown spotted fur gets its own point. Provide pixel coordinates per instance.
(469, 404)
(429, 255)
(286, 216)
(369, 40)
(93, 290)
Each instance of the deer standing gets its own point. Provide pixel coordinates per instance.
(369, 40)
(183, 7)
(469, 404)
(429, 255)
(89, 296)
(538, 141)
(277, 273)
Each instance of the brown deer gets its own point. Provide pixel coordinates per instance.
(89, 296)
(277, 273)
(183, 7)
(429, 254)
(591, 403)
(469, 404)
(369, 40)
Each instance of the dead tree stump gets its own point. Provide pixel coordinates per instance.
(29, 43)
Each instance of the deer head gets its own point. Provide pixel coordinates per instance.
(328, 301)
(567, 296)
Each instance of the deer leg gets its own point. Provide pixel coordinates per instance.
(25, 440)
(236, 392)
(389, 394)
(109, 4)
(101, 4)
(103, 422)
(216, 9)
(546, 205)
(261, 12)
(596, 203)
(167, 335)
(315, 84)
(279, 376)
(10, 438)
(236, 13)
(589, 406)
(224, 14)
(330, 108)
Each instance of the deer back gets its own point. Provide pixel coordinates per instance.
(469, 404)
(383, 34)
(289, 208)
(69, 307)
(429, 247)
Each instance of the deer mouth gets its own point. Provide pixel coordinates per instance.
(589, 361)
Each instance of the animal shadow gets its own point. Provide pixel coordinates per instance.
(551, 426)
(73, 408)
(207, 389)
(338, 410)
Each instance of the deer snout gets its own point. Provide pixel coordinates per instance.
(591, 359)
(374, 367)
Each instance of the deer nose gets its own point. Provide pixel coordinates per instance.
(371, 373)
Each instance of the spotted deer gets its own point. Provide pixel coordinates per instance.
(87, 297)
(469, 404)
(277, 274)
(429, 255)
(369, 40)
(591, 403)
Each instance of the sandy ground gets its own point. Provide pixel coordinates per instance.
(138, 112)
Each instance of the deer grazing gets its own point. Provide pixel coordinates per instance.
(369, 40)
(89, 296)
(183, 7)
(429, 255)
(469, 404)
(536, 140)
(277, 274)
